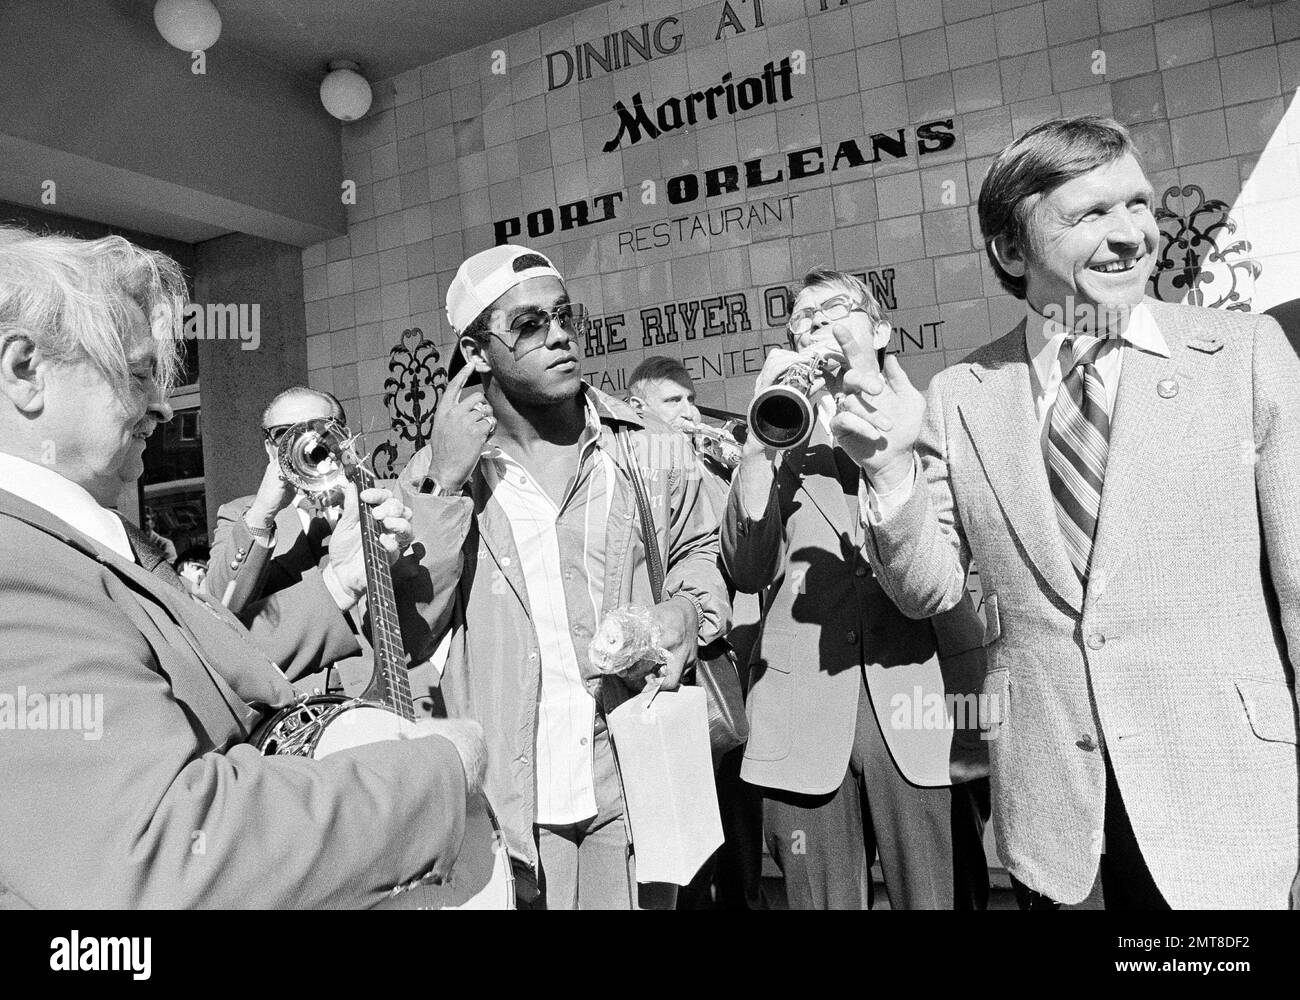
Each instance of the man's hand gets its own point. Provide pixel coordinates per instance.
(346, 560)
(466, 736)
(879, 416)
(775, 365)
(461, 426)
(676, 628)
(273, 495)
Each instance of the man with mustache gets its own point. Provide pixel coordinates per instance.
(1126, 475)
(531, 531)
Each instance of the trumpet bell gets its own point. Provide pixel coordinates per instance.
(310, 455)
(781, 417)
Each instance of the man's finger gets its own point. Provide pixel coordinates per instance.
(855, 351)
(868, 382)
(457, 383)
(845, 424)
(350, 501)
(375, 495)
(895, 374)
(860, 407)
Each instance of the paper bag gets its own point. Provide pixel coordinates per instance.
(662, 743)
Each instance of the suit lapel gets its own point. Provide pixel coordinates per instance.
(1145, 426)
(1000, 417)
(252, 678)
(819, 479)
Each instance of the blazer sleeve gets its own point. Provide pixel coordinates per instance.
(143, 811)
(230, 538)
(300, 628)
(752, 548)
(693, 565)
(1277, 469)
(919, 551)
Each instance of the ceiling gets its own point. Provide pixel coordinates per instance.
(385, 37)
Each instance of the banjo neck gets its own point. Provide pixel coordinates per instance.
(389, 684)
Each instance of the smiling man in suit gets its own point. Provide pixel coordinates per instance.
(1126, 475)
(163, 803)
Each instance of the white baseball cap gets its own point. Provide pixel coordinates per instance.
(485, 277)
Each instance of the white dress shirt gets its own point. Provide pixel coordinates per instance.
(1044, 339)
(70, 503)
(566, 712)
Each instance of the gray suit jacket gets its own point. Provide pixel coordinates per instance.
(171, 808)
(1175, 664)
(826, 623)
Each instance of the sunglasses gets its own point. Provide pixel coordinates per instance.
(532, 327)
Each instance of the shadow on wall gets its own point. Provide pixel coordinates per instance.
(1288, 315)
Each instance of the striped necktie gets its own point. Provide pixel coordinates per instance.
(1077, 442)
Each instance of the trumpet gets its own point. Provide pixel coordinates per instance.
(722, 444)
(781, 416)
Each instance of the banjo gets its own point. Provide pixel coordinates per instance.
(317, 457)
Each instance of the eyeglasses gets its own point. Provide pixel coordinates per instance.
(531, 328)
(836, 308)
(273, 434)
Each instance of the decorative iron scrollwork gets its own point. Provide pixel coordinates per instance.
(1198, 264)
(411, 393)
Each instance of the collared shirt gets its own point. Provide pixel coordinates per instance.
(1044, 340)
(562, 555)
(70, 503)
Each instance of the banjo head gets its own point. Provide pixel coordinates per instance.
(481, 879)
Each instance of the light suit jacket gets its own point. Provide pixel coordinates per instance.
(170, 808)
(256, 570)
(1176, 663)
(827, 621)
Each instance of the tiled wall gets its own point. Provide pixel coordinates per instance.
(454, 147)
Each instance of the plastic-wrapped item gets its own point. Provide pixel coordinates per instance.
(625, 637)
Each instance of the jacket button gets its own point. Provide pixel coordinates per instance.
(234, 564)
(851, 636)
(1096, 640)
(1086, 742)
(523, 758)
(860, 571)
(505, 560)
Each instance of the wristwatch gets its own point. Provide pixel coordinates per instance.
(262, 534)
(430, 488)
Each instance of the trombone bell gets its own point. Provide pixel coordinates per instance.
(310, 457)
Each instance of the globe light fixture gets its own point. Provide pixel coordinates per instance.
(189, 25)
(345, 92)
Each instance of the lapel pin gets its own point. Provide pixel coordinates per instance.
(1167, 388)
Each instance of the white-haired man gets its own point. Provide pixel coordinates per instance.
(111, 818)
